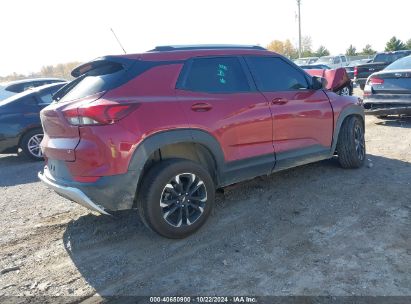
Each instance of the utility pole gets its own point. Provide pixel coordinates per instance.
(299, 28)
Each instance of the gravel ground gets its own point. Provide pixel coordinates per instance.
(313, 230)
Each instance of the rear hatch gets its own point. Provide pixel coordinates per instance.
(389, 92)
(93, 79)
(397, 82)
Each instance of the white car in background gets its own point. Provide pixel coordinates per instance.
(334, 62)
(305, 60)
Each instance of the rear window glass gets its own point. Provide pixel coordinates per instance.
(216, 75)
(389, 57)
(94, 81)
(400, 64)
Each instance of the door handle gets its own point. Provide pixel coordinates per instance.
(201, 107)
(279, 101)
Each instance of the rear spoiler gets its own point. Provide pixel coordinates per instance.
(98, 63)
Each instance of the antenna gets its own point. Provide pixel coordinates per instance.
(115, 36)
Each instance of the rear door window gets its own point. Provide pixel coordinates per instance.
(216, 75)
(274, 74)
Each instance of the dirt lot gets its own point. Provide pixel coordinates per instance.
(312, 230)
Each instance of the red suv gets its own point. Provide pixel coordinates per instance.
(160, 131)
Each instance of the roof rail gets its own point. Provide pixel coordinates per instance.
(165, 48)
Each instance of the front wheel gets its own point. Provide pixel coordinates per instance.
(345, 91)
(351, 143)
(176, 197)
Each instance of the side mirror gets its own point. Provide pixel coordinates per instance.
(319, 83)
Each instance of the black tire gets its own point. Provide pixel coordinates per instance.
(345, 91)
(351, 143)
(362, 86)
(28, 143)
(160, 186)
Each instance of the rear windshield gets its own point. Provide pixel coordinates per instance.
(326, 59)
(400, 64)
(389, 57)
(97, 80)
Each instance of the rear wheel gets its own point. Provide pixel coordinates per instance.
(351, 143)
(30, 144)
(176, 198)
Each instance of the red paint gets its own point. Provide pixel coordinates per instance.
(245, 124)
(300, 119)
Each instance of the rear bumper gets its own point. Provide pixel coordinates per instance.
(388, 105)
(109, 193)
(389, 111)
(73, 194)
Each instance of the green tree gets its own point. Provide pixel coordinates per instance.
(394, 44)
(408, 44)
(367, 50)
(351, 51)
(322, 51)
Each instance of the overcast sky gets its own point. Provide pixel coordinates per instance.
(42, 32)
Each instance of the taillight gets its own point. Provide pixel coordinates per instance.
(355, 71)
(99, 114)
(375, 80)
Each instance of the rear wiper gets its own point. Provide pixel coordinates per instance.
(67, 88)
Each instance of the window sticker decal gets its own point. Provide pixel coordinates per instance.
(221, 73)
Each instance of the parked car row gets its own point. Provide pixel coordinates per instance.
(388, 92)
(378, 63)
(161, 130)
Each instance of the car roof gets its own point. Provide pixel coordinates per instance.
(167, 48)
(31, 80)
(35, 90)
(163, 53)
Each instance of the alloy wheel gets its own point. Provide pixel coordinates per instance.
(33, 145)
(359, 142)
(183, 200)
(345, 91)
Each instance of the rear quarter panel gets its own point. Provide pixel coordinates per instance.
(107, 150)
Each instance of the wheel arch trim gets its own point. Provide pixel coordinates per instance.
(161, 139)
(347, 111)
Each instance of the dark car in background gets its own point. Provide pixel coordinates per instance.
(388, 92)
(378, 63)
(351, 66)
(20, 126)
(8, 89)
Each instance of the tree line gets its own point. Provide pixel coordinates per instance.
(61, 70)
(287, 49)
